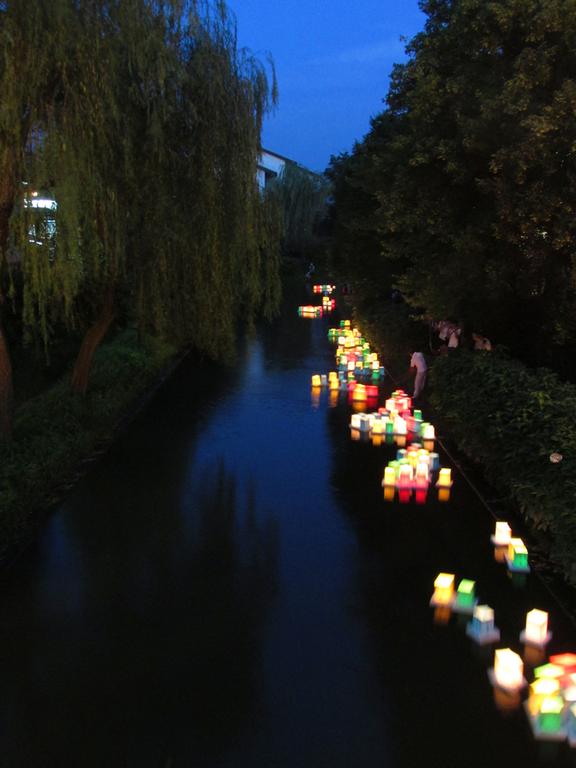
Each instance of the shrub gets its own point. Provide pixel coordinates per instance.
(511, 419)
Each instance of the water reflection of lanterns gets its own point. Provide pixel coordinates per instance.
(536, 629)
(315, 397)
(443, 590)
(533, 655)
(443, 494)
(506, 701)
(482, 629)
(500, 554)
(502, 535)
(333, 401)
(508, 671)
(420, 495)
(442, 614)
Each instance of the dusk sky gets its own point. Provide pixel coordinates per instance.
(333, 59)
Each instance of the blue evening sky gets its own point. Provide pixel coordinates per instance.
(333, 59)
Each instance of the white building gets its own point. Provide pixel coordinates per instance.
(270, 165)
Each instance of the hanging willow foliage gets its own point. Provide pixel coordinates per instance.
(142, 120)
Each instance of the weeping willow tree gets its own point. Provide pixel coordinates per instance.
(302, 197)
(210, 255)
(143, 120)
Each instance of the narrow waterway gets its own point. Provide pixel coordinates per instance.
(227, 588)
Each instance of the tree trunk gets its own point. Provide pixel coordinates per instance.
(7, 196)
(6, 391)
(90, 344)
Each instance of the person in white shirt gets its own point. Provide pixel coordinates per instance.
(418, 361)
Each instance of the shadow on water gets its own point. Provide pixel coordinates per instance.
(132, 631)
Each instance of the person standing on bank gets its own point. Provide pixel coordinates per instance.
(418, 361)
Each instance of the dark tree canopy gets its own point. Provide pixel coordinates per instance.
(467, 179)
(142, 121)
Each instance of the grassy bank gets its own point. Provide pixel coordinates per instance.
(56, 430)
(506, 418)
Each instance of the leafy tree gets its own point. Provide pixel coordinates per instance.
(144, 121)
(301, 196)
(474, 181)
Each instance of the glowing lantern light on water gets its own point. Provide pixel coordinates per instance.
(316, 380)
(481, 629)
(565, 660)
(517, 556)
(444, 478)
(443, 590)
(508, 672)
(359, 392)
(400, 426)
(428, 432)
(539, 690)
(465, 597)
(502, 535)
(389, 476)
(546, 715)
(536, 630)
(549, 671)
(379, 426)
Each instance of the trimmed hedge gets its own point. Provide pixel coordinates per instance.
(511, 419)
(56, 430)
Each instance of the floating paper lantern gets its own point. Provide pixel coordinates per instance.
(553, 671)
(465, 597)
(508, 672)
(565, 660)
(536, 630)
(549, 720)
(502, 535)
(422, 477)
(400, 426)
(445, 478)
(517, 556)
(428, 432)
(316, 380)
(539, 690)
(389, 476)
(378, 426)
(443, 590)
(405, 477)
(359, 392)
(481, 629)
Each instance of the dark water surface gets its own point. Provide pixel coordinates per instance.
(227, 588)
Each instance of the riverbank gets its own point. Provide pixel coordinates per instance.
(513, 424)
(57, 432)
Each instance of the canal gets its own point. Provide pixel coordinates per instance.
(226, 587)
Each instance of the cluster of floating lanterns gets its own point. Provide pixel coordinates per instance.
(326, 289)
(357, 365)
(328, 304)
(411, 472)
(354, 357)
(551, 702)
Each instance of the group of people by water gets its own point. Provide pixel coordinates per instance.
(451, 337)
